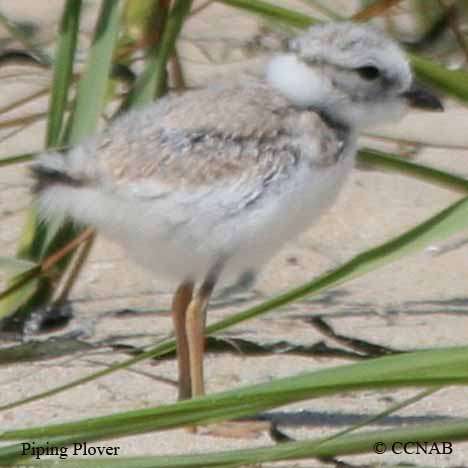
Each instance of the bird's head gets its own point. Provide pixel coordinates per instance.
(352, 73)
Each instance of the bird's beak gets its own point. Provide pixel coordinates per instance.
(419, 97)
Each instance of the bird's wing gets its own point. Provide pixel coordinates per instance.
(200, 138)
(242, 136)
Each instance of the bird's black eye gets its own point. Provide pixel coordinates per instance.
(368, 72)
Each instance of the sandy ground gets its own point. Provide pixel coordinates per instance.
(417, 302)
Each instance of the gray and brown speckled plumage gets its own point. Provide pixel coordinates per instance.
(219, 154)
(212, 136)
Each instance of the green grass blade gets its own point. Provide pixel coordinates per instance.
(453, 82)
(273, 12)
(323, 8)
(17, 159)
(315, 448)
(63, 70)
(149, 18)
(152, 83)
(426, 13)
(92, 89)
(388, 162)
(89, 102)
(392, 409)
(31, 243)
(19, 290)
(447, 366)
(50, 234)
(173, 26)
(15, 265)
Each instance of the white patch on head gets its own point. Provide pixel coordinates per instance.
(297, 81)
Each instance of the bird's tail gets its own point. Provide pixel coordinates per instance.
(51, 171)
(55, 185)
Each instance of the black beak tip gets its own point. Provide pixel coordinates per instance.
(420, 98)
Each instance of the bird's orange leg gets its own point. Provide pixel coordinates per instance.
(180, 303)
(195, 327)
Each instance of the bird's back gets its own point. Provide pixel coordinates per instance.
(202, 137)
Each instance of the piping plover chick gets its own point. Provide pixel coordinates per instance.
(211, 184)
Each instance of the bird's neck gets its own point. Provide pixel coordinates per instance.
(296, 81)
(305, 88)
